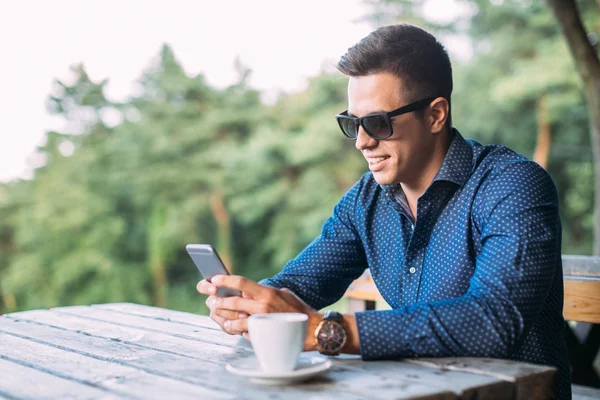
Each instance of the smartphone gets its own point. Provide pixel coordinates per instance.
(209, 264)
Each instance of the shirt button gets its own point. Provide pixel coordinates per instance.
(412, 270)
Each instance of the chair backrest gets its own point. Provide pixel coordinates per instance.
(581, 276)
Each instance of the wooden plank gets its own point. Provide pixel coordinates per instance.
(532, 381)
(462, 384)
(110, 372)
(364, 383)
(364, 292)
(581, 265)
(161, 314)
(585, 392)
(152, 325)
(19, 381)
(358, 305)
(364, 288)
(582, 299)
(159, 341)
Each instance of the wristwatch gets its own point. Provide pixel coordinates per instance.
(330, 334)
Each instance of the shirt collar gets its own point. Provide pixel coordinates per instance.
(456, 167)
(458, 162)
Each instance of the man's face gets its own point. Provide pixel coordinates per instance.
(404, 156)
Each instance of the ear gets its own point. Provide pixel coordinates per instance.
(440, 109)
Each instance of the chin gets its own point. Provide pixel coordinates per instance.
(384, 179)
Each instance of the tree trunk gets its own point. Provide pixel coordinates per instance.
(10, 302)
(219, 211)
(588, 66)
(157, 255)
(544, 134)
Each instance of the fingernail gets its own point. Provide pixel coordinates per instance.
(242, 315)
(214, 301)
(212, 290)
(227, 325)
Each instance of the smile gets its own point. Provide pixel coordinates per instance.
(376, 163)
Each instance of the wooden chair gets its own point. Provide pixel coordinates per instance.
(581, 276)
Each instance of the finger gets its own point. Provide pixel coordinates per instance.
(219, 321)
(239, 304)
(211, 302)
(205, 287)
(236, 326)
(251, 288)
(228, 314)
(246, 336)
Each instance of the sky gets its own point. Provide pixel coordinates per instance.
(283, 42)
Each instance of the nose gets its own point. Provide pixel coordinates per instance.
(364, 141)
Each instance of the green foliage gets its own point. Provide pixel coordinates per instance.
(188, 163)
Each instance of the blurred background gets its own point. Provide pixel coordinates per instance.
(129, 129)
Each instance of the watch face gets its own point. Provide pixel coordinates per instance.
(331, 337)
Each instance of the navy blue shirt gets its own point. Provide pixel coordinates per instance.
(478, 273)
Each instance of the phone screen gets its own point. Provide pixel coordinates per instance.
(209, 264)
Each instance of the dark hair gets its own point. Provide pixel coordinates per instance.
(412, 54)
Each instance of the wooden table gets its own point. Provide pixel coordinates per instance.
(116, 351)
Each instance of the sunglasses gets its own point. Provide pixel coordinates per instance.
(379, 125)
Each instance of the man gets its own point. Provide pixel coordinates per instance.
(462, 240)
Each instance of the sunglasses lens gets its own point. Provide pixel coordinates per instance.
(377, 126)
(349, 127)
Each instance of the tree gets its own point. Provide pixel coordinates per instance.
(588, 66)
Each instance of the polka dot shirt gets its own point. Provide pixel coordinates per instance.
(479, 273)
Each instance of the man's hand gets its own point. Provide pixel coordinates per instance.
(231, 313)
(207, 288)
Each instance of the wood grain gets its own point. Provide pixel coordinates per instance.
(585, 393)
(160, 314)
(582, 299)
(110, 373)
(152, 325)
(532, 381)
(462, 384)
(581, 265)
(19, 381)
(136, 336)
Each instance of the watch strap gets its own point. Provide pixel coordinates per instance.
(333, 316)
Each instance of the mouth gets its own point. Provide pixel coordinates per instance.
(377, 163)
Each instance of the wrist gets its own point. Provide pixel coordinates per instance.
(314, 319)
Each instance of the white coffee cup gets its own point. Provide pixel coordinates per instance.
(277, 339)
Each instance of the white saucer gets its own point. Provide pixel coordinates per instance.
(308, 367)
